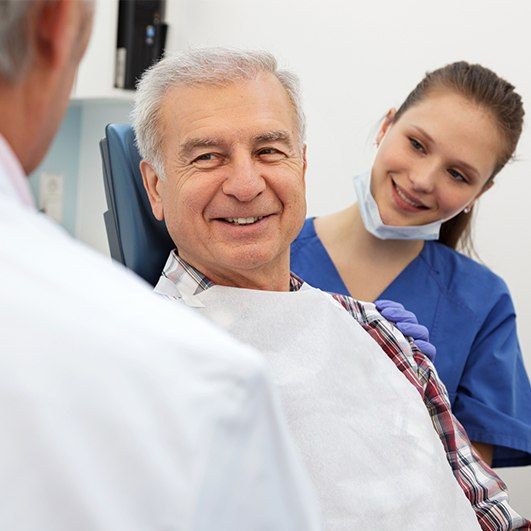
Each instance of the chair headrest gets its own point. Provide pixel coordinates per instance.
(145, 241)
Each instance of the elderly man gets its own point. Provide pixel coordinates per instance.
(115, 417)
(222, 138)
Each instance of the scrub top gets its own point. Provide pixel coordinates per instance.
(472, 322)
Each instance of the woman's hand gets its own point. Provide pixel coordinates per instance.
(408, 324)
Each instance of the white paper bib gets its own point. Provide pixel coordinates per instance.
(363, 430)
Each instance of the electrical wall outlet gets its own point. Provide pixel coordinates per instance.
(51, 195)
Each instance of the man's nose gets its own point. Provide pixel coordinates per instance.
(244, 181)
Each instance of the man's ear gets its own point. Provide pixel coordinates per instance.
(153, 185)
(386, 124)
(54, 25)
(304, 163)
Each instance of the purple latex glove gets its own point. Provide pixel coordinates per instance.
(408, 324)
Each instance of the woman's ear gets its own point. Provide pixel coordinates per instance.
(488, 185)
(387, 122)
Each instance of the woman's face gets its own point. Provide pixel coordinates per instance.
(434, 161)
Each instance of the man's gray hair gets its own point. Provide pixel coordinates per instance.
(14, 42)
(206, 66)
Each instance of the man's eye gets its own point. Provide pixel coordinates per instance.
(207, 160)
(416, 145)
(457, 176)
(271, 154)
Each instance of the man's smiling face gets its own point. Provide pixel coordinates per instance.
(233, 196)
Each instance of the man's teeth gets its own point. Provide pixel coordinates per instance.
(406, 199)
(243, 221)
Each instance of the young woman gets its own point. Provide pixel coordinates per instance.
(436, 156)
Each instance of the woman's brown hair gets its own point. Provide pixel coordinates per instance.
(486, 89)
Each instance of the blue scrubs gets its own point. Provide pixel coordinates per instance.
(472, 322)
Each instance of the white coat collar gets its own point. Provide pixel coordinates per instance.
(13, 181)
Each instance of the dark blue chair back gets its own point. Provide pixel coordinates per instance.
(136, 238)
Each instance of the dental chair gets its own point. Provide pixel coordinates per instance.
(136, 238)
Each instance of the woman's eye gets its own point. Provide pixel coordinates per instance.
(457, 176)
(416, 145)
(270, 154)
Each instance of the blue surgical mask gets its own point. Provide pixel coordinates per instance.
(372, 220)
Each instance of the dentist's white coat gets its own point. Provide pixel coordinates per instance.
(121, 411)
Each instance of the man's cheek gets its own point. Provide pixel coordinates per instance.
(192, 206)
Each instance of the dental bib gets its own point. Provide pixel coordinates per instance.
(365, 435)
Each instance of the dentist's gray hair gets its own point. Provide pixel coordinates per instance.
(204, 66)
(14, 43)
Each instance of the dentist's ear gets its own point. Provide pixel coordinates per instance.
(153, 185)
(386, 124)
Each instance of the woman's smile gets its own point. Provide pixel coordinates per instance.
(406, 201)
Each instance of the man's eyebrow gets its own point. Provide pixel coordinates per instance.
(274, 136)
(189, 145)
(467, 167)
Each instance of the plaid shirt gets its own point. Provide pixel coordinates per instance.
(485, 490)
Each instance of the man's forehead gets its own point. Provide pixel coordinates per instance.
(259, 98)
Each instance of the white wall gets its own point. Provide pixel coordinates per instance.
(357, 59)
(96, 72)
